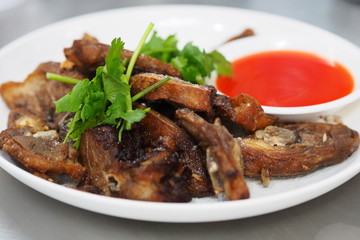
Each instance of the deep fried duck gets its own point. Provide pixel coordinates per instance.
(224, 159)
(295, 149)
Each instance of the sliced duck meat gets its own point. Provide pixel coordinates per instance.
(243, 110)
(296, 149)
(148, 173)
(177, 91)
(223, 153)
(155, 126)
(37, 93)
(87, 54)
(22, 117)
(40, 152)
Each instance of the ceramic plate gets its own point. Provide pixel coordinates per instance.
(205, 26)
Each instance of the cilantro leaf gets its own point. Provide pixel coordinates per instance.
(223, 67)
(194, 64)
(162, 49)
(106, 99)
(72, 101)
(93, 101)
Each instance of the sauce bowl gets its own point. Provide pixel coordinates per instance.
(333, 48)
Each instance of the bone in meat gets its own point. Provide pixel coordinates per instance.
(303, 149)
(156, 177)
(222, 148)
(185, 94)
(243, 110)
(87, 54)
(41, 154)
(156, 125)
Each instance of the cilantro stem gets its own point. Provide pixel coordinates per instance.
(149, 89)
(128, 102)
(138, 50)
(61, 78)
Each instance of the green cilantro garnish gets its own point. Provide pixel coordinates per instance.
(195, 65)
(105, 99)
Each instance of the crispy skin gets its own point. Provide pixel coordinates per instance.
(317, 145)
(222, 148)
(149, 182)
(243, 110)
(151, 175)
(40, 154)
(87, 54)
(22, 117)
(98, 148)
(155, 125)
(37, 94)
(185, 94)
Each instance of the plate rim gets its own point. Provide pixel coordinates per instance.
(24, 176)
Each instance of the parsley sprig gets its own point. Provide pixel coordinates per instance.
(105, 99)
(194, 64)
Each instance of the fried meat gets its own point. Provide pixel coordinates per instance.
(185, 94)
(38, 94)
(155, 126)
(295, 149)
(243, 110)
(41, 153)
(87, 54)
(183, 148)
(223, 153)
(141, 172)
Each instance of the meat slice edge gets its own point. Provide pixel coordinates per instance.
(315, 145)
(222, 148)
(87, 54)
(40, 154)
(157, 178)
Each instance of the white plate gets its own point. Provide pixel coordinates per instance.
(206, 26)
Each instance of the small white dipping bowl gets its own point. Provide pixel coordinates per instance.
(332, 48)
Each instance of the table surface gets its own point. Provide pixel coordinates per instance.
(27, 214)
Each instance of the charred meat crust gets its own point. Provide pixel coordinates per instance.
(177, 91)
(41, 155)
(158, 176)
(243, 110)
(37, 94)
(155, 126)
(222, 148)
(87, 54)
(149, 182)
(317, 145)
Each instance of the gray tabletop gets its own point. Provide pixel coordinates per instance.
(27, 214)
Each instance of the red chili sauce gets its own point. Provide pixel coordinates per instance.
(287, 79)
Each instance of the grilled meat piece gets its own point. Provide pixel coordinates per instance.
(149, 173)
(223, 153)
(295, 149)
(158, 181)
(243, 110)
(22, 117)
(37, 94)
(39, 152)
(185, 94)
(87, 54)
(155, 126)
